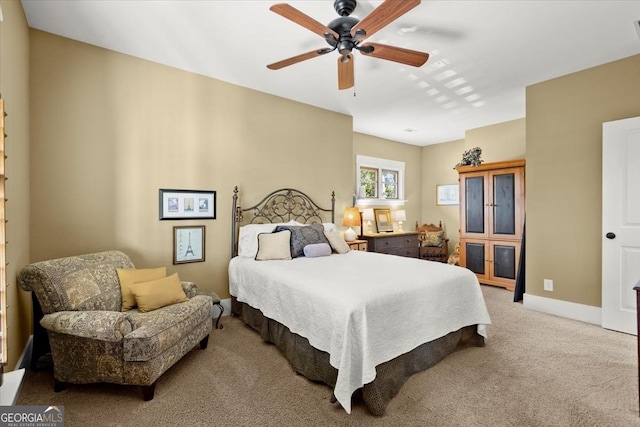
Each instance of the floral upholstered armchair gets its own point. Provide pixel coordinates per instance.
(93, 340)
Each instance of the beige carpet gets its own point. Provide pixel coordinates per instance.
(536, 370)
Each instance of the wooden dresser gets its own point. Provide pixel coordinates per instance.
(403, 244)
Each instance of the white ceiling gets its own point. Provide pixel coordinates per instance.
(496, 48)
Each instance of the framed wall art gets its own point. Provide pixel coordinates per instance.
(187, 204)
(188, 244)
(447, 194)
(383, 220)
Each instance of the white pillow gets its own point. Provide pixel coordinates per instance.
(337, 242)
(272, 246)
(248, 237)
(315, 250)
(329, 226)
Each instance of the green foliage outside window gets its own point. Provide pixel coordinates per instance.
(369, 181)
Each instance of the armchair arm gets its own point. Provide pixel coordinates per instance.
(98, 325)
(190, 289)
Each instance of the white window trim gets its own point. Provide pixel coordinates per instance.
(377, 163)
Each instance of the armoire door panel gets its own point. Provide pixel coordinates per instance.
(504, 261)
(474, 205)
(475, 257)
(504, 214)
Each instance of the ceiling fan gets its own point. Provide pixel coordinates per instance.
(346, 33)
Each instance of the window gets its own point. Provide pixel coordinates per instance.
(379, 181)
(3, 239)
(369, 181)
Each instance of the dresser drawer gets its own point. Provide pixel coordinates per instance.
(407, 251)
(396, 242)
(402, 244)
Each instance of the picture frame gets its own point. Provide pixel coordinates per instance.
(187, 204)
(188, 244)
(383, 220)
(447, 194)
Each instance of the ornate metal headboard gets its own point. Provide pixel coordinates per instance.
(281, 205)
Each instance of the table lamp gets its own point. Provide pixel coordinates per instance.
(350, 219)
(367, 215)
(401, 215)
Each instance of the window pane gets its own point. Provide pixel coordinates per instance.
(369, 181)
(390, 184)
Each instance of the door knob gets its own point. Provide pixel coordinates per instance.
(610, 235)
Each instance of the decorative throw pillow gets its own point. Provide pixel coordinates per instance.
(272, 246)
(248, 237)
(337, 242)
(129, 276)
(317, 249)
(433, 238)
(158, 293)
(302, 236)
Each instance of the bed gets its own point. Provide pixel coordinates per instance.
(360, 322)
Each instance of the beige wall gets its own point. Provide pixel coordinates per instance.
(564, 175)
(14, 87)
(109, 130)
(499, 142)
(367, 145)
(438, 163)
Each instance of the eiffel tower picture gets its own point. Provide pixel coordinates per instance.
(188, 244)
(189, 250)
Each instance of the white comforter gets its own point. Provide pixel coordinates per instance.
(362, 308)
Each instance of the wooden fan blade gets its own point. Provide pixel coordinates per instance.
(345, 72)
(298, 58)
(300, 18)
(383, 15)
(396, 54)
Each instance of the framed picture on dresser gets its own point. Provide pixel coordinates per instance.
(383, 220)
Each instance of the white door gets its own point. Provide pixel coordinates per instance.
(620, 223)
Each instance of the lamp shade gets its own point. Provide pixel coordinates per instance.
(401, 215)
(351, 217)
(367, 214)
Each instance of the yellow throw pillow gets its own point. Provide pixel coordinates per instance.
(129, 276)
(158, 293)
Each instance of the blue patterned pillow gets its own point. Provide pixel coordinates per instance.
(303, 235)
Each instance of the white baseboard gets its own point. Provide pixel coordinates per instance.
(25, 357)
(226, 305)
(570, 310)
(12, 381)
(11, 385)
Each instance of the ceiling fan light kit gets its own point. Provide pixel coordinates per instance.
(346, 33)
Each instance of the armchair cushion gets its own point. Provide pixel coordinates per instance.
(433, 238)
(129, 276)
(157, 331)
(158, 293)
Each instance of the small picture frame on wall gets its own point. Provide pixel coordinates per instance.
(383, 220)
(188, 244)
(447, 194)
(187, 204)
